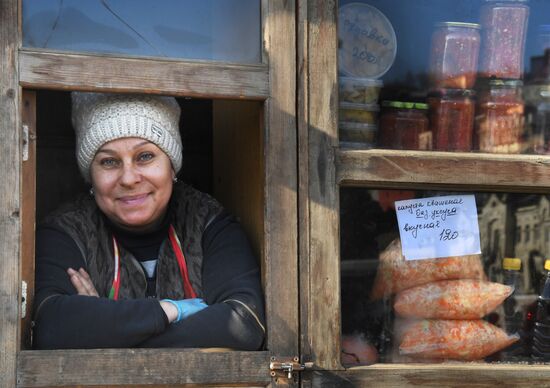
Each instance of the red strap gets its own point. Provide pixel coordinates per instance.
(176, 246)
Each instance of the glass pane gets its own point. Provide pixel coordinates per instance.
(226, 30)
(469, 75)
(476, 307)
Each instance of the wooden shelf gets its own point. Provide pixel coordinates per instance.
(443, 170)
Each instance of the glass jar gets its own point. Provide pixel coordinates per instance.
(405, 125)
(452, 119)
(504, 28)
(454, 55)
(499, 118)
(540, 138)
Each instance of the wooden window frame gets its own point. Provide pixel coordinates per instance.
(271, 82)
(326, 168)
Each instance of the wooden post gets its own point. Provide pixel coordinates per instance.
(10, 220)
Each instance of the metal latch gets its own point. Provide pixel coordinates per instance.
(288, 366)
(23, 299)
(25, 143)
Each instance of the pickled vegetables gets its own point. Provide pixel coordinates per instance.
(454, 339)
(451, 299)
(395, 274)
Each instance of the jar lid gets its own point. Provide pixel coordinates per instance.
(351, 126)
(362, 81)
(505, 83)
(458, 24)
(404, 105)
(452, 93)
(352, 105)
(511, 263)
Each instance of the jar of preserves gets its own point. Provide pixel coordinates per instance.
(454, 55)
(358, 113)
(504, 27)
(452, 119)
(499, 119)
(405, 125)
(357, 135)
(540, 138)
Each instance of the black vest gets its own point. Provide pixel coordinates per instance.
(190, 213)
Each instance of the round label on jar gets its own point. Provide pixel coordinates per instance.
(366, 41)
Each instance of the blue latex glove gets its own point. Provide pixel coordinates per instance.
(187, 307)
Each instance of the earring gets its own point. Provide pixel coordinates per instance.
(91, 191)
(175, 179)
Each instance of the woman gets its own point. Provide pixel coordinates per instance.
(142, 261)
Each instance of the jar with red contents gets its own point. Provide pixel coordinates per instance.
(454, 55)
(504, 30)
(452, 119)
(500, 117)
(404, 125)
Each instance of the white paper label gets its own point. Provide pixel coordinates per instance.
(438, 227)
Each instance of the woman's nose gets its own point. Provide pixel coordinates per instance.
(130, 175)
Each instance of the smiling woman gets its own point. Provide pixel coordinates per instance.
(142, 261)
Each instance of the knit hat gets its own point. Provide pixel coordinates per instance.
(100, 118)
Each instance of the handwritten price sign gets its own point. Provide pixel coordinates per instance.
(438, 227)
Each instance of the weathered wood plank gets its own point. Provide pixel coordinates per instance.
(323, 326)
(416, 169)
(10, 221)
(141, 366)
(302, 105)
(440, 376)
(28, 211)
(281, 181)
(55, 70)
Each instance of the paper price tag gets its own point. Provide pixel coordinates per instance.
(438, 227)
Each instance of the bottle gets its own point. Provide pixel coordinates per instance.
(513, 317)
(540, 349)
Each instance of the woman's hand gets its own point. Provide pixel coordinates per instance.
(82, 282)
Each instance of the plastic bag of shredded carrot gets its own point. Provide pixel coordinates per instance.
(451, 299)
(396, 274)
(465, 340)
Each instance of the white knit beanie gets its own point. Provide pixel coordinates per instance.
(100, 118)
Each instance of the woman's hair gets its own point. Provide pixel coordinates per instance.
(99, 118)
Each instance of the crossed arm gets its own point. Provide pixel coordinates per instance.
(71, 315)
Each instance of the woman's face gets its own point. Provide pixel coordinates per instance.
(132, 180)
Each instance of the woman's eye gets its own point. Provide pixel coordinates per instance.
(108, 162)
(145, 156)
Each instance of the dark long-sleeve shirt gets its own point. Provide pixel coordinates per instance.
(230, 284)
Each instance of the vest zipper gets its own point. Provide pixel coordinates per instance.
(249, 310)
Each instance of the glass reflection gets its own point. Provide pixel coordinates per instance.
(226, 30)
(481, 66)
(469, 308)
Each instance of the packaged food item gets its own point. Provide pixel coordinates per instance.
(499, 118)
(451, 299)
(405, 125)
(357, 135)
(465, 340)
(367, 42)
(513, 315)
(359, 113)
(359, 90)
(504, 28)
(454, 55)
(452, 119)
(396, 274)
(356, 350)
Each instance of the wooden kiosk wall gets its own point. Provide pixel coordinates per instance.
(326, 167)
(266, 158)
